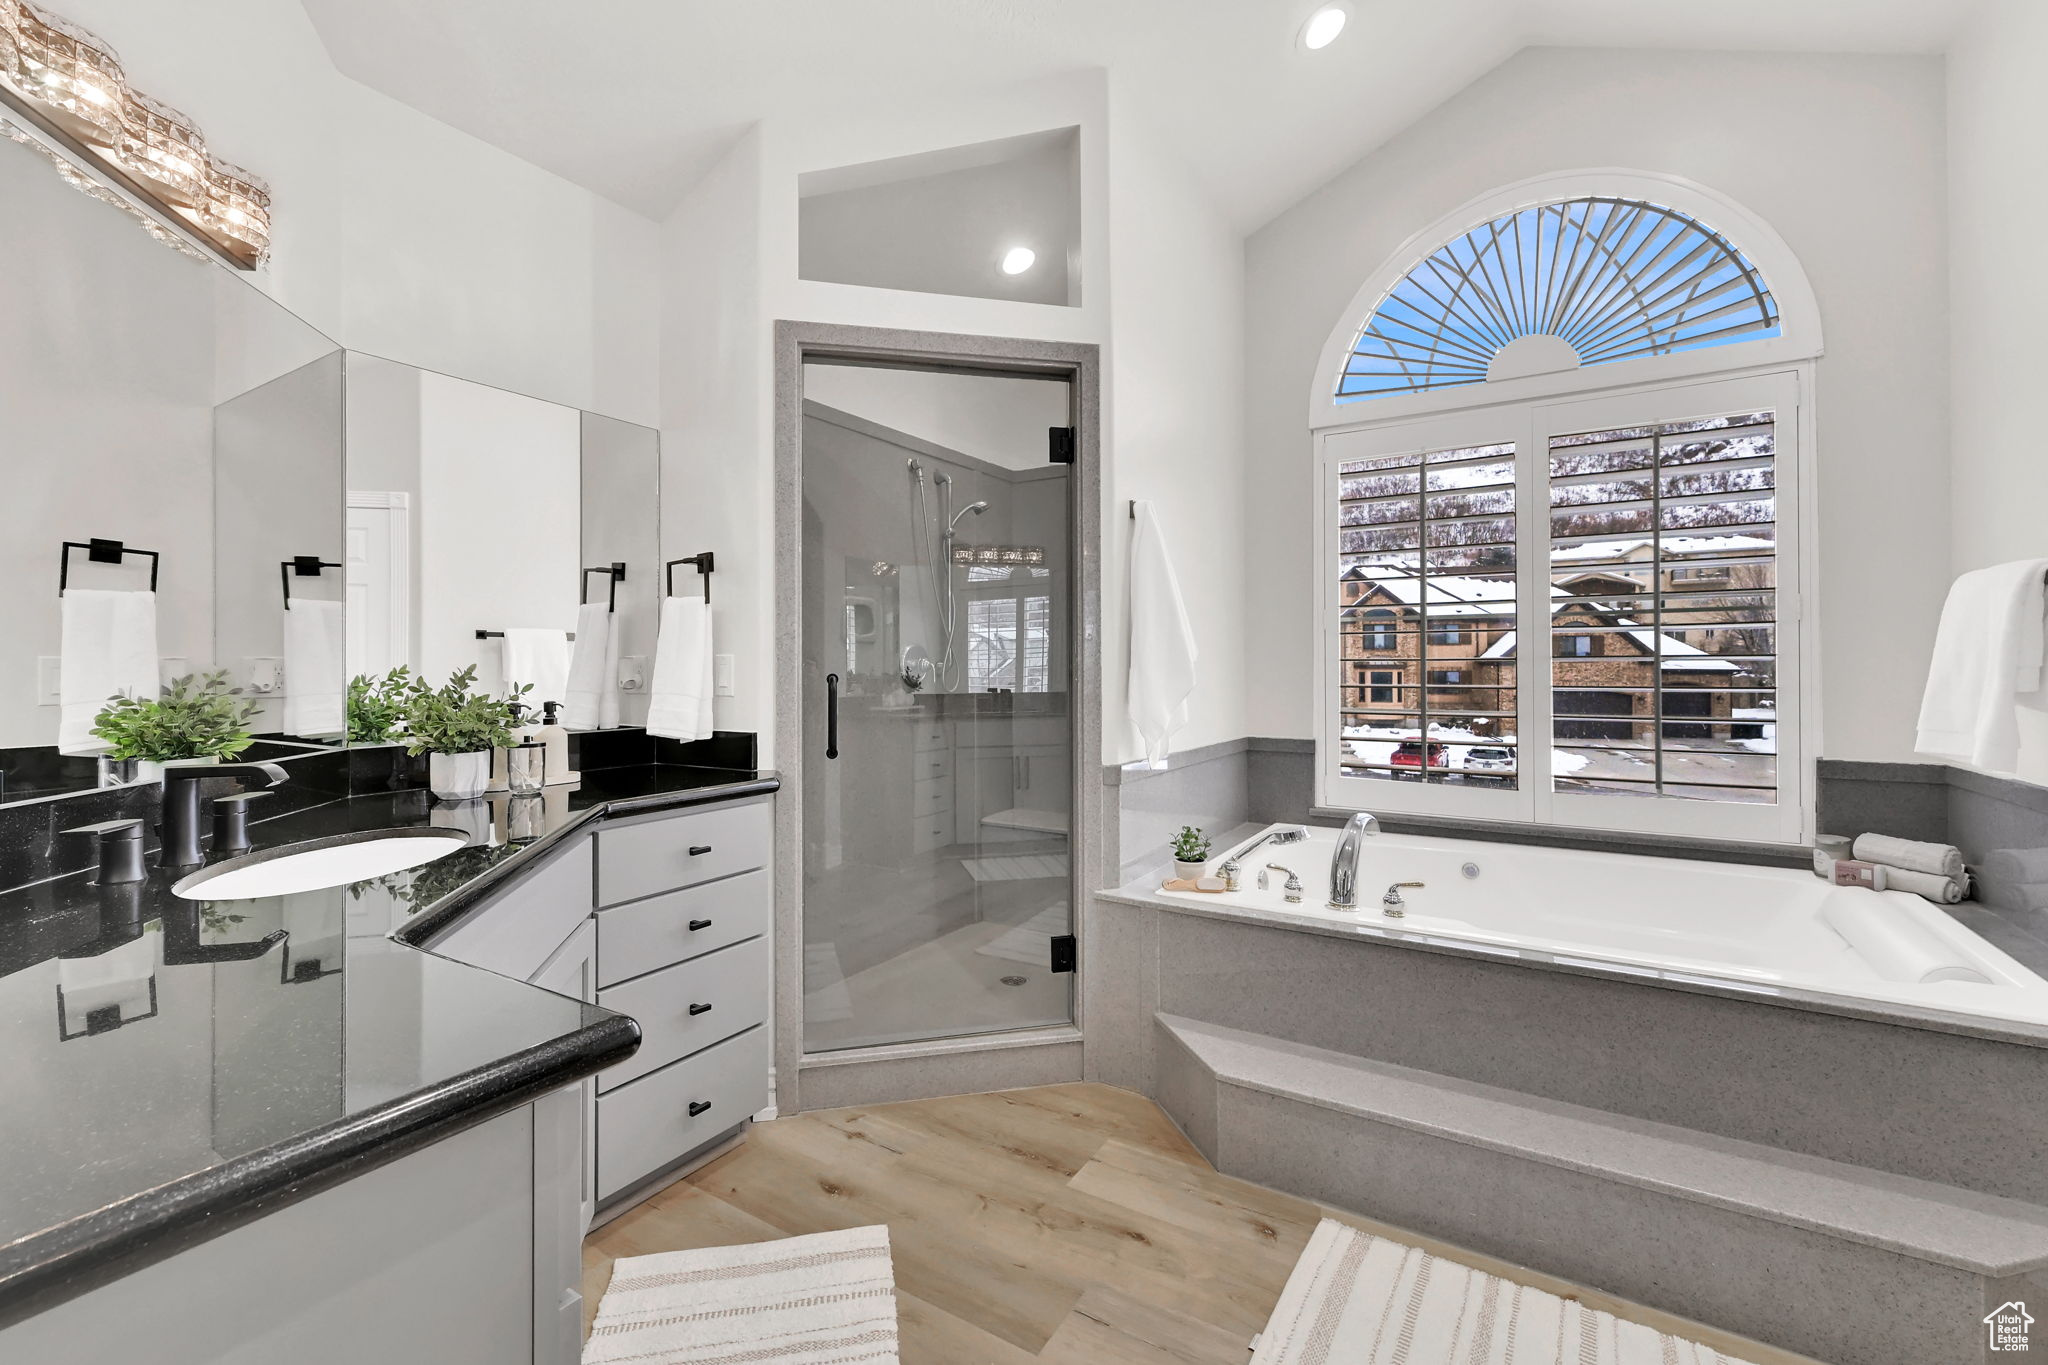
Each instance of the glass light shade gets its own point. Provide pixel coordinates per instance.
(72, 83)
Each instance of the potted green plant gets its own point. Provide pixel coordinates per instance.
(377, 705)
(457, 727)
(1190, 853)
(197, 719)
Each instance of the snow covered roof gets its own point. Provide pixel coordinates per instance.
(1673, 545)
(1677, 654)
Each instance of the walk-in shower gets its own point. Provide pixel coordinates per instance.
(937, 792)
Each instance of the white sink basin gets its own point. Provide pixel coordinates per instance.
(319, 864)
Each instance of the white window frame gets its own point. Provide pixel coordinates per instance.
(1529, 422)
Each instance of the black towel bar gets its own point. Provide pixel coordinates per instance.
(101, 552)
(300, 566)
(703, 562)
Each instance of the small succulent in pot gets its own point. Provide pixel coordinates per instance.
(197, 718)
(1190, 852)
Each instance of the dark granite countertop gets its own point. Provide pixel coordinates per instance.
(178, 1068)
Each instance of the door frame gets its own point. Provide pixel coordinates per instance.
(978, 1062)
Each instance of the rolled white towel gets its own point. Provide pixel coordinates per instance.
(1940, 890)
(1940, 860)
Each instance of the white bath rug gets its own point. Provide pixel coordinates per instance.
(1356, 1299)
(799, 1301)
(1031, 941)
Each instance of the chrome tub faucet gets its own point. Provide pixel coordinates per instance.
(1344, 863)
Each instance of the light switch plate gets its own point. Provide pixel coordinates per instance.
(721, 675)
(49, 680)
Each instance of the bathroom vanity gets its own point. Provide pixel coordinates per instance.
(304, 1126)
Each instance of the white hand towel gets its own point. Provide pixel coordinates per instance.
(1987, 657)
(314, 637)
(593, 671)
(539, 657)
(679, 704)
(109, 647)
(1162, 641)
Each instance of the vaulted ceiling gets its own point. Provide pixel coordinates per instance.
(634, 99)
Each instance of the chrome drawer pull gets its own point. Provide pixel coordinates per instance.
(699, 1009)
(697, 924)
(699, 1106)
(699, 850)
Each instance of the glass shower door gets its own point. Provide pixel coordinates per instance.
(938, 730)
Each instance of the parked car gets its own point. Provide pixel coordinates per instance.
(1409, 755)
(1489, 763)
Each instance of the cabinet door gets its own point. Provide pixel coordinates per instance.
(572, 971)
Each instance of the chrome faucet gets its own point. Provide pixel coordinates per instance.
(1344, 863)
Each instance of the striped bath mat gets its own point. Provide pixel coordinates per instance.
(799, 1301)
(1356, 1299)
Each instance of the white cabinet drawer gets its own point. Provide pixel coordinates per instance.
(929, 767)
(928, 736)
(676, 926)
(659, 1119)
(681, 850)
(687, 1008)
(931, 797)
(931, 832)
(516, 931)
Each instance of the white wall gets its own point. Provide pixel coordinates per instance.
(1998, 187)
(1844, 156)
(498, 522)
(994, 418)
(1175, 432)
(394, 233)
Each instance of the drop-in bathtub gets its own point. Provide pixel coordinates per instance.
(1672, 918)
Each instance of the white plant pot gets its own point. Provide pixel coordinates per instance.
(459, 777)
(150, 770)
(1188, 871)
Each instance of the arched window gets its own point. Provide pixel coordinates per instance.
(1584, 282)
(1567, 441)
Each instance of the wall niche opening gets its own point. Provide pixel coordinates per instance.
(991, 220)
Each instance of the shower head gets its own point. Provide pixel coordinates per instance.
(975, 507)
(1282, 834)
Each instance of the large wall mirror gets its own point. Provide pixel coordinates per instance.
(173, 438)
(494, 531)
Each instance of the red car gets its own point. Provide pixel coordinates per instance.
(1410, 756)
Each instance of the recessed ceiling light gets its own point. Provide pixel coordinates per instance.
(1323, 27)
(1018, 259)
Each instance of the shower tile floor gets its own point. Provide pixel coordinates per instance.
(952, 945)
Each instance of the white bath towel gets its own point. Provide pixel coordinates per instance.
(1988, 655)
(109, 648)
(1940, 888)
(679, 703)
(315, 634)
(538, 657)
(1940, 860)
(593, 698)
(1162, 641)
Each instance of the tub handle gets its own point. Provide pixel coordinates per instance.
(1391, 904)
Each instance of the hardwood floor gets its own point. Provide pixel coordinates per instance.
(1068, 1223)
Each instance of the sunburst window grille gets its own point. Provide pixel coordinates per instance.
(1580, 283)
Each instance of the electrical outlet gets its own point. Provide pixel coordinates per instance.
(721, 675)
(263, 675)
(632, 673)
(171, 667)
(49, 680)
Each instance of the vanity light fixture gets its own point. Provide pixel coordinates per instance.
(1323, 27)
(1019, 259)
(63, 92)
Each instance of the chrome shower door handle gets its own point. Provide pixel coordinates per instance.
(831, 715)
